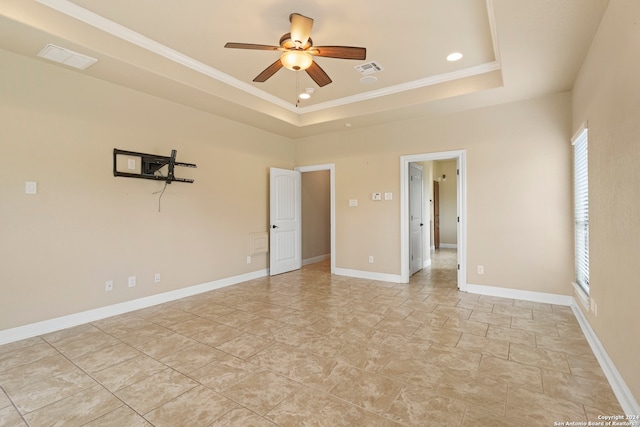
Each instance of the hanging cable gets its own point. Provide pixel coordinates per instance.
(160, 191)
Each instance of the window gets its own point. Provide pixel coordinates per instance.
(581, 207)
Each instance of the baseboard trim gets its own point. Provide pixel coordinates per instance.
(315, 259)
(617, 383)
(426, 263)
(543, 297)
(370, 275)
(56, 324)
(623, 394)
(448, 246)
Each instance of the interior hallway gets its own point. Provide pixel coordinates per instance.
(308, 348)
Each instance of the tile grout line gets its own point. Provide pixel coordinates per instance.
(14, 406)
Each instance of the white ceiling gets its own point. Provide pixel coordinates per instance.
(513, 49)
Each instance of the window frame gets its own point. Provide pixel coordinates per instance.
(580, 143)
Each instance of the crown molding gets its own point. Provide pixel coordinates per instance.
(124, 33)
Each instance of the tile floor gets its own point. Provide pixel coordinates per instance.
(306, 348)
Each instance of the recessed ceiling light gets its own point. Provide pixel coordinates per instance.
(455, 56)
(307, 93)
(367, 80)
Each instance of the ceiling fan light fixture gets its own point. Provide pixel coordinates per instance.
(297, 52)
(296, 60)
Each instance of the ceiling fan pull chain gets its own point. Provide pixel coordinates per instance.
(297, 88)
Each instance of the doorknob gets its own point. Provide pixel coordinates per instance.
(274, 226)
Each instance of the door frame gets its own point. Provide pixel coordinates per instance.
(331, 167)
(460, 157)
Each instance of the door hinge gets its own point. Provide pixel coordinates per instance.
(457, 171)
(458, 266)
(458, 219)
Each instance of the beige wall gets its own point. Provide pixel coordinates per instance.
(316, 214)
(607, 95)
(518, 190)
(86, 226)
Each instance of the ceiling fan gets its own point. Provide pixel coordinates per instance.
(298, 51)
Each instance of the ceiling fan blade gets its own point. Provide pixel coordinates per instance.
(234, 45)
(300, 28)
(341, 52)
(318, 75)
(268, 72)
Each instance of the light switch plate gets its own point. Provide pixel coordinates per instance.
(376, 196)
(353, 202)
(31, 187)
(388, 196)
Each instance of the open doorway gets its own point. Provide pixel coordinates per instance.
(318, 214)
(444, 204)
(457, 159)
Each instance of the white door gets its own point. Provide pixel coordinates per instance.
(285, 252)
(415, 218)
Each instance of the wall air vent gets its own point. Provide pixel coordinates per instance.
(66, 57)
(369, 68)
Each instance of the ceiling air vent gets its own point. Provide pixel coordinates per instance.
(66, 57)
(369, 68)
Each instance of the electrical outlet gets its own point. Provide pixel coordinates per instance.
(370, 259)
(156, 278)
(108, 285)
(481, 269)
(132, 281)
(249, 260)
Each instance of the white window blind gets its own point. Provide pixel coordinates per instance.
(581, 207)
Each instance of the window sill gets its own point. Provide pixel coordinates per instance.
(581, 295)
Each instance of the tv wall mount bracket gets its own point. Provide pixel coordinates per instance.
(150, 164)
